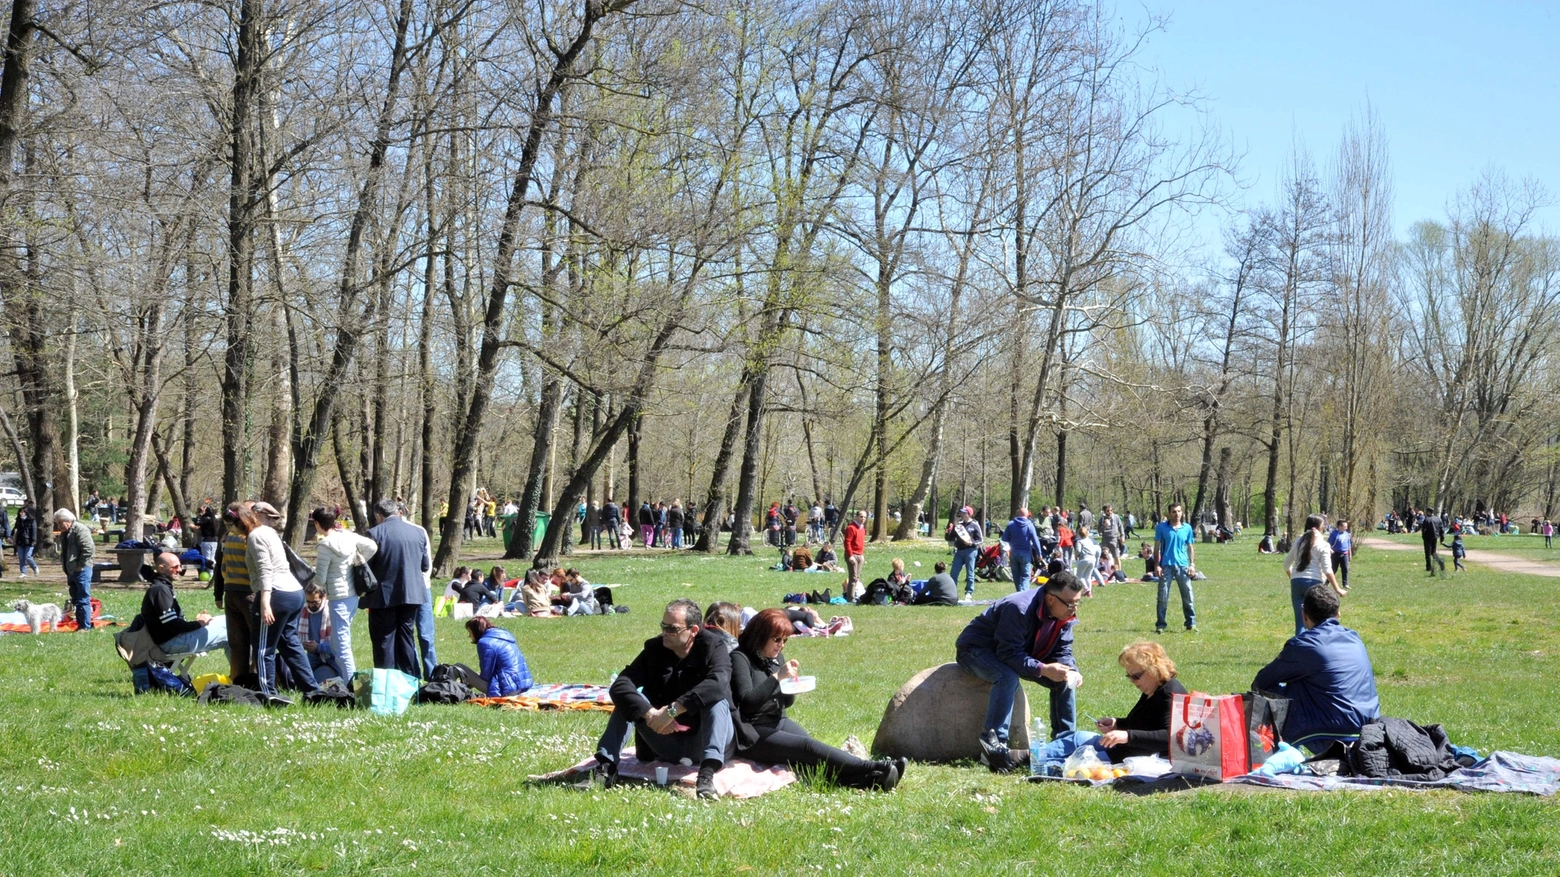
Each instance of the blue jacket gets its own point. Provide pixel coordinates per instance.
(399, 564)
(503, 667)
(1022, 539)
(1327, 677)
(1009, 626)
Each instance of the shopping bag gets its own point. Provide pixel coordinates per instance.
(1208, 735)
(462, 610)
(385, 692)
(442, 605)
(1264, 724)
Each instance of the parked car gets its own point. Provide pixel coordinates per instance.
(12, 496)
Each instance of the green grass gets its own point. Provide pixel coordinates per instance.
(95, 780)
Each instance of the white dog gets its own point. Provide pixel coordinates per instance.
(39, 614)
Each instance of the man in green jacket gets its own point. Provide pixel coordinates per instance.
(76, 553)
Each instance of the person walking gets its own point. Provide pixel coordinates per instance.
(1341, 541)
(76, 551)
(612, 522)
(25, 536)
(400, 564)
(1309, 564)
(1173, 542)
(1023, 547)
(1431, 532)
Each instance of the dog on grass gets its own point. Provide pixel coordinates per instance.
(39, 614)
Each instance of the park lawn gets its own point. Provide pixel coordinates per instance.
(1526, 546)
(98, 781)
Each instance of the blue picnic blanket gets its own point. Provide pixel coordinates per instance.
(1500, 772)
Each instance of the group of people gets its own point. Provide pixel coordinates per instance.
(784, 525)
(653, 524)
(1324, 670)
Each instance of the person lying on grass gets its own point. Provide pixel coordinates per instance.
(1326, 674)
(765, 734)
(676, 696)
(1143, 731)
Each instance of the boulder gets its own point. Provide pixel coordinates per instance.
(938, 716)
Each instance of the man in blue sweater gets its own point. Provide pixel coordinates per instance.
(1326, 674)
(1027, 635)
(1023, 547)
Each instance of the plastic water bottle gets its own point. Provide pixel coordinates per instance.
(1035, 767)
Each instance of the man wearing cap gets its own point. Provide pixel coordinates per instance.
(967, 538)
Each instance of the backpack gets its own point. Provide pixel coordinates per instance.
(450, 691)
(342, 698)
(604, 599)
(878, 593)
(220, 693)
(160, 678)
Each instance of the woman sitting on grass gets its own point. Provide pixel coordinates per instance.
(725, 619)
(764, 734)
(1143, 731)
(503, 668)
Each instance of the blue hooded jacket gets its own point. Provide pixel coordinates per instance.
(503, 667)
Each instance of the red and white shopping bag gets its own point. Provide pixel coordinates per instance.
(1208, 735)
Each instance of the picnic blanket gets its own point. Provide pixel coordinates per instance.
(739, 778)
(554, 696)
(16, 622)
(1500, 772)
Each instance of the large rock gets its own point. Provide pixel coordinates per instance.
(938, 714)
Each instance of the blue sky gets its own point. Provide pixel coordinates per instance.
(1458, 87)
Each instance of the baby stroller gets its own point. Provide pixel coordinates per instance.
(992, 566)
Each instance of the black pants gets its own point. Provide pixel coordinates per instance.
(1340, 565)
(1432, 558)
(792, 746)
(393, 631)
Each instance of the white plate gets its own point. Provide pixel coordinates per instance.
(798, 685)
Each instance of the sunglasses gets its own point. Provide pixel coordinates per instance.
(1138, 675)
(672, 630)
(780, 639)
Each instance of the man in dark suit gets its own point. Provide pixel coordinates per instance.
(400, 564)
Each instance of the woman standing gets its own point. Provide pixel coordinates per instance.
(339, 551)
(25, 535)
(764, 734)
(1309, 564)
(280, 601)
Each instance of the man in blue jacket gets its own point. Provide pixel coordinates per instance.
(1027, 635)
(1326, 674)
(399, 564)
(1023, 547)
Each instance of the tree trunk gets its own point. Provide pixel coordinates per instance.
(747, 481)
(715, 503)
(238, 360)
(541, 444)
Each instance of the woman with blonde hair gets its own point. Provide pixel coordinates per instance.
(1143, 731)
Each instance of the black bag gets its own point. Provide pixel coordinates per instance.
(448, 692)
(1265, 717)
(219, 693)
(301, 569)
(342, 698)
(364, 582)
(604, 599)
(878, 593)
(160, 678)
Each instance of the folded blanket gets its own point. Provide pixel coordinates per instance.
(1501, 772)
(739, 778)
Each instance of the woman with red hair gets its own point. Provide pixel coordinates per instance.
(764, 734)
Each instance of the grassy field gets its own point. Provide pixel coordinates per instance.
(98, 781)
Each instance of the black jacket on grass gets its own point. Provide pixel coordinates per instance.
(657, 677)
(760, 706)
(1148, 724)
(160, 610)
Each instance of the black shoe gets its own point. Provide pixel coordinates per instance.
(705, 787)
(886, 776)
(994, 753)
(606, 771)
(828, 594)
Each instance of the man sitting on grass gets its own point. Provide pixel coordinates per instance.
(1326, 674)
(1027, 635)
(941, 589)
(675, 696)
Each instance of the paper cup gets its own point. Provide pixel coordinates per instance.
(660, 776)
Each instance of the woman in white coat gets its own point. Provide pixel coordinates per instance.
(339, 551)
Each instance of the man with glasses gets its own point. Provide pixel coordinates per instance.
(1027, 635)
(675, 694)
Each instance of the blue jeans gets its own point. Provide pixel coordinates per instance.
(425, 638)
(1066, 744)
(281, 639)
(1297, 589)
(341, 613)
(24, 559)
(80, 596)
(711, 741)
(677, 537)
(964, 559)
(201, 639)
(1020, 567)
(1184, 581)
(984, 664)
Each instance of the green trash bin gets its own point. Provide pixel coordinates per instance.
(508, 523)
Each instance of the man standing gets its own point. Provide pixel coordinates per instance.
(831, 515)
(1111, 534)
(1027, 635)
(1326, 674)
(165, 621)
(1085, 518)
(1174, 543)
(1023, 547)
(855, 553)
(966, 546)
(646, 522)
(612, 522)
(675, 695)
(208, 531)
(1342, 543)
(1432, 532)
(400, 565)
(76, 553)
(815, 522)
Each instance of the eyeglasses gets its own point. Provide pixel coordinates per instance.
(780, 639)
(672, 629)
(1138, 675)
(1069, 604)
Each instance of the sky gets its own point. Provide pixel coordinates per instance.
(1459, 87)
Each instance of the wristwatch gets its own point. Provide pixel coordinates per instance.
(674, 710)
